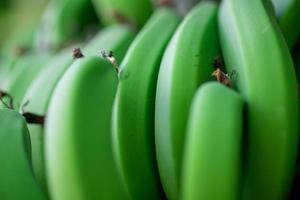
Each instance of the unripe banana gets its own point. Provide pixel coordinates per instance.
(254, 47)
(212, 157)
(19, 25)
(116, 38)
(79, 155)
(6, 65)
(186, 64)
(22, 74)
(133, 116)
(36, 100)
(280, 6)
(132, 12)
(11, 52)
(183, 6)
(17, 181)
(64, 22)
(289, 24)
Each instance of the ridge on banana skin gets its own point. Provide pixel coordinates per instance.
(186, 64)
(253, 46)
(79, 154)
(133, 115)
(17, 181)
(212, 157)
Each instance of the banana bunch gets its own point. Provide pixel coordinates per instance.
(150, 99)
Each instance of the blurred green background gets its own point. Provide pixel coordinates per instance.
(18, 17)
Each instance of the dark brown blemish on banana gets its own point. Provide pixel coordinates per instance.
(221, 77)
(77, 53)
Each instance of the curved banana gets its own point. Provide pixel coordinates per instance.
(36, 100)
(212, 156)
(64, 22)
(186, 64)
(280, 6)
(79, 154)
(12, 51)
(288, 23)
(132, 12)
(253, 46)
(182, 6)
(17, 181)
(133, 116)
(22, 74)
(116, 38)
(6, 65)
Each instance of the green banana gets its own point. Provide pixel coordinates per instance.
(296, 58)
(288, 12)
(64, 22)
(16, 180)
(280, 6)
(36, 100)
(133, 115)
(289, 24)
(12, 50)
(212, 157)
(254, 47)
(183, 7)
(116, 38)
(133, 12)
(6, 64)
(186, 64)
(22, 74)
(79, 154)
(19, 25)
